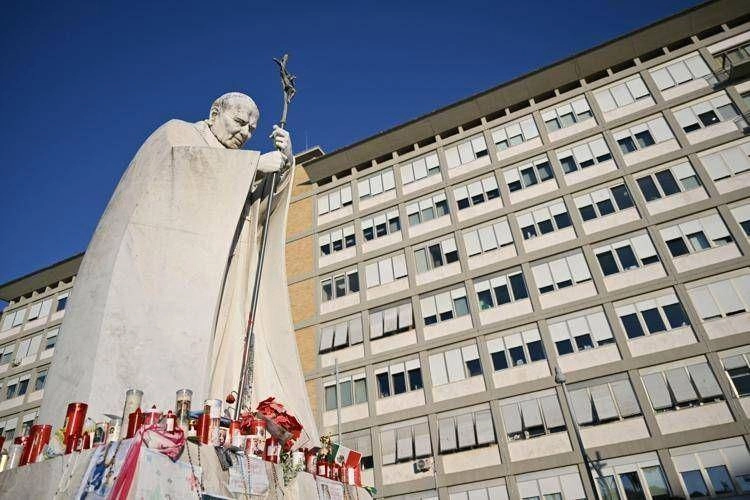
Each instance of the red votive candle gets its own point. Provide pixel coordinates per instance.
(74, 420)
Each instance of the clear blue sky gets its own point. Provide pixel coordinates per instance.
(83, 84)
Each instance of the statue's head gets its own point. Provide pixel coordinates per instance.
(233, 119)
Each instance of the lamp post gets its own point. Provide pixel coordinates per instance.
(560, 379)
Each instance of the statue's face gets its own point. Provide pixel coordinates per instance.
(235, 123)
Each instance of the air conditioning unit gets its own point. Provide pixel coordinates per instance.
(423, 465)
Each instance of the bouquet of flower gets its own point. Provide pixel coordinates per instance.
(280, 424)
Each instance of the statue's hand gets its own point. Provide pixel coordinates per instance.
(282, 142)
(271, 162)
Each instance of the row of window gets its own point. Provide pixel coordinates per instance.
(37, 310)
(16, 352)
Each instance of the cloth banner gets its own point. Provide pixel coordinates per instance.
(248, 474)
(159, 477)
(329, 490)
(99, 480)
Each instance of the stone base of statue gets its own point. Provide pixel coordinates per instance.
(156, 476)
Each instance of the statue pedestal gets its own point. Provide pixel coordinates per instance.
(143, 309)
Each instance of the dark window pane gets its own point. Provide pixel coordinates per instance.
(517, 357)
(584, 342)
(477, 199)
(653, 320)
(528, 177)
(381, 230)
(414, 219)
(564, 347)
(567, 120)
(656, 482)
(436, 257)
(568, 164)
(587, 212)
(648, 188)
(461, 305)
(528, 232)
(415, 379)
(474, 367)
(627, 257)
(536, 350)
(562, 220)
(325, 249)
(698, 241)
(327, 292)
(632, 486)
(428, 214)
(350, 241)
(368, 233)
(61, 303)
(515, 186)
(607, 263)
(608, 488)
(463, 203)
(502, 294)
(740, 379)
(708, 118)
(552, 125)
(442, 208)
(499, 361)
(627, 145)
(644, 139)
(518, 285)
(632, 326)
(546, 226)
(485, 299)
(384, 389)
(668, 182)
(720, 479)
(492, 194)
(430, 320)
(605, 207)
(451, 257)
(394, 224)
(746, 226)
(622, 197)
(676, 315)
(353, 282)
(694, 483)
(445, 316)
(399, 383)
(545, 171)
(677, 247)
(604, 157)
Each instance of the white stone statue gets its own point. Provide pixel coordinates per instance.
(162, 297)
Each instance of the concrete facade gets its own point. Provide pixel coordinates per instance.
(402, 385)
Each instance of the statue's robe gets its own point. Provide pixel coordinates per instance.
(162, 297)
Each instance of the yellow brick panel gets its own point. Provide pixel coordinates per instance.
(300, 216)
(312, 394)
(301, 183)
(299, 257)
(306, 346)
(302, 297)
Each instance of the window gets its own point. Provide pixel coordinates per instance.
(728, 162)
(341, 335)
(51, 339)
(466, 151)
(500, 290)
(514, 134)
(630, 478)
(40, 309)
(532, 415)
(648, 317)
(352, 390)
(444, 306)
(696, 235)
(742, 216)
(706, 113)
(386, 270)
(14, 318)
(733, 56)
(28, 348)
(41, 378)
(362, 443)
(713, 468)
(603, 202)
(722, 298)
(495, 490)
(580, 331)
(476, 193)
(600, 401)
(466, 430)
(334, 200)
(675, 388)
(427, 209)
(23, 384)
(561, 273)
(436, 255)
(626, 255)
(643, 135)
(339, 285)
(737, 368)
(381, 225)
(566, 115)
(529, 174)
(544, 219)
(11, 388)
(622, 94)
(551, 484)
(398, 378)
(420, 168)
(376, 184)
(516, 349)
(391, 321)
(10, 429)
(488, 238)
(6, 353)
(584, 155)
(662, 183)
(406, 442)
(676, 73)
(455, 365)
(336, 240)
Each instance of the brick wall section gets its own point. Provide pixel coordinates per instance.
(306, 347)
(300, 216)
(301, 182)
(302, 296)
(312, 391)
(299, 258)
